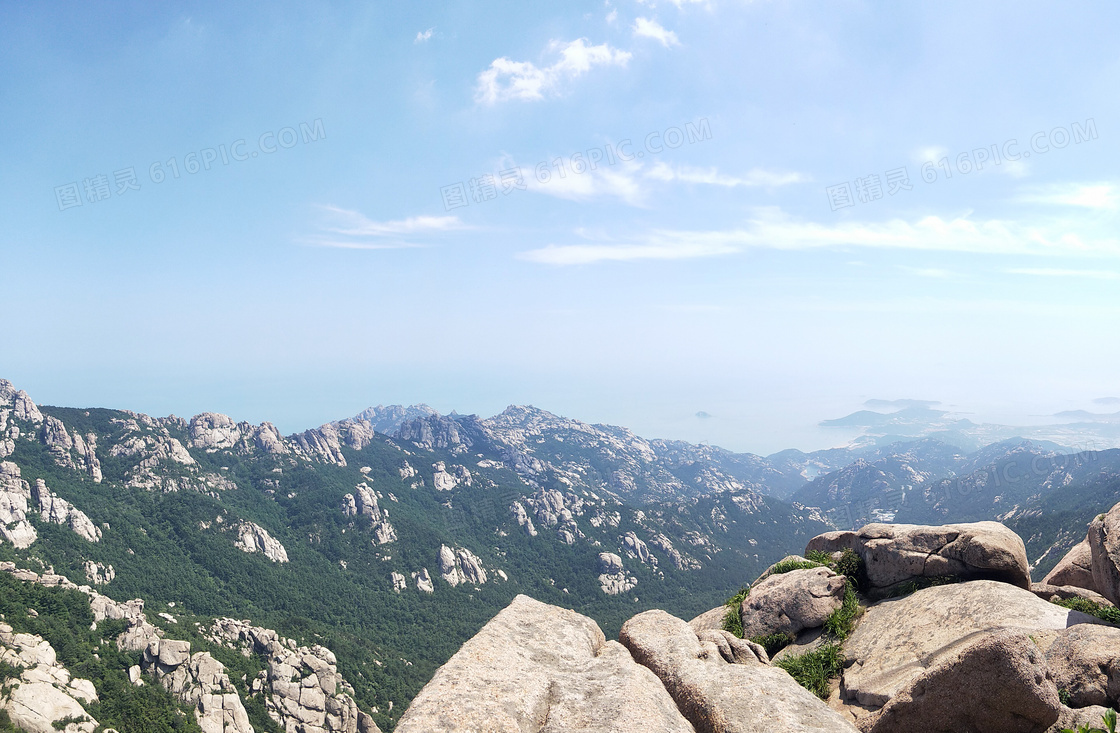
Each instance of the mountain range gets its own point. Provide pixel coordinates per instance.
(392, 536)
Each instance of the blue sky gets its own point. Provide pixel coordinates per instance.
(314, 255)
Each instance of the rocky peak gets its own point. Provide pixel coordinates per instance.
(254, 538)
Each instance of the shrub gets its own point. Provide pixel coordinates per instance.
(819, 556)
(1110, 614)
(732, 621)
(773, 643)
(852, 565)
(841, 621)
(813, 670)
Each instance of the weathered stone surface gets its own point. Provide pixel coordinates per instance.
(721, 695)
(709, 620)
(15, 494)
(790, 602)
(59, 511)
(460, 565)
(898, 640)
(612, 575)
(896, 553)
(423, 581)
(1074, 719)
(1065, 592)
(996, 684)
(37, 706)
(212, 431)
(1085, 661)
(44, 693)
(1075, 569)
(254, 538)
(540, 668)
(1104, 547)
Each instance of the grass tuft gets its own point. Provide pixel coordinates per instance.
(1110, 614)
(773, 643)
(813, 670)
(732, 621)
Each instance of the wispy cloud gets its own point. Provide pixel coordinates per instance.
(424, 35)
(622, 182)
(649, 28)
(1057, 272)
(346, 229)
(661, 171)
(1103, 196)
(507, 79)
(772, 229)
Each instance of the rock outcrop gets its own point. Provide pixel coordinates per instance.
(15, 495)
(1075, 569)
(306, 693)
(254, 538)
(724, 690)
(540, 668)
(99, 574)
(363, 502)
(198, 680)
(423, 581)
(898, 640)
(999, 683)
(45, 693)
(612, 575)
(1085, 662)
(896, 553)
(1104, 547)
(789, 602)
(59, 511)
(460, 565)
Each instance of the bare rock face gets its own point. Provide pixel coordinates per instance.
(322, 444)
(460, 565)
(517, 509)
(306, 693)
(1085, 662)
(15, 494)
(211, 431)
(790, 602)
(254, 538)
(540, 668)
(399, 582)
(44, 693)
(637, 549)
(1065, 592)
(423, 581)
(896, 553)
(612, 576)
(364, 502)
(1104, 546)
(724, 690)
(898, 640)
(1075, 569)
(99, 574)
(59, 511)
(709, 620)
(433, 432)
(999, 683)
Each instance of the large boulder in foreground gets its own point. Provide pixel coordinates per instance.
(896, 553)
(898, 640)
(1085, 662)
(1104, 548)
(789, 602)
(1075, 569)
(722, 694)
(996, 684)
(545, 669)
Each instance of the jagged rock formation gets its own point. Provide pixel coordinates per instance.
(423, 581)
(460, 565)
(612, 575)
(517, 509)
(399, 582)
(198, 680)
(1075, 569)
(45, 693)
(363, 502)
(59, 511)
(306, 692)
(897, 553)
(541, 668)
(15, 495)
(99, 574)
(1104, 547)
(254, 538)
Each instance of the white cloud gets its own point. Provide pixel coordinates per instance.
(1103, 196)
(929, 153)
(612, 16)
(352, 230)
(621, 182)
(661, 171)
(424, 35)
(772, 229)
(647, 28)
(507, 79)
